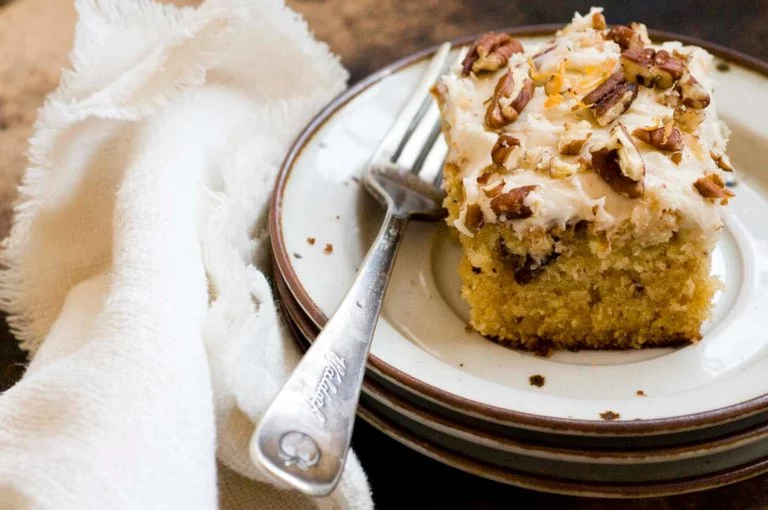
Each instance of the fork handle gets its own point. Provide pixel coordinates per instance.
(305, 434)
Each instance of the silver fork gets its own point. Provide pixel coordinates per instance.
(305, 434)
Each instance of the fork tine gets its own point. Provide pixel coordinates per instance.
(439, 177)
(414, 109)
(434, 162)
(426, 148)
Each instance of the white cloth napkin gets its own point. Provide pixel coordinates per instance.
(135, 269)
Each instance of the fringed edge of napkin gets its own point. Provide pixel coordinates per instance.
(76, 100)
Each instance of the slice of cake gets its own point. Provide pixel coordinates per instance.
(585, 182)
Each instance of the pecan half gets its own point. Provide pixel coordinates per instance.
(511, 205)
(574, 137)
(604, 88)
(503, 109)
(619, 164)
(712, 186)
(688, 118)
(722, 161)
(667, 69)
(693, 93)
(503, 147)
(473, 218)
(615, 103)
(666, 138)
(525, 95)
(638, 65)
(490, 52)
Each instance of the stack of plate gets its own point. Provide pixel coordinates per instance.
(617, 424)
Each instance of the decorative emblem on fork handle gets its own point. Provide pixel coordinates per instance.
(299, 449)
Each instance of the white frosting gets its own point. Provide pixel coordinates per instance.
(583, 195)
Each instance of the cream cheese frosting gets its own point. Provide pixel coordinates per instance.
(566, 190)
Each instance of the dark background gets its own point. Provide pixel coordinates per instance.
(368, 34)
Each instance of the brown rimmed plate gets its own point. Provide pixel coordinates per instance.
(421, 343)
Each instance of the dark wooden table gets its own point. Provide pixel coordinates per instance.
(368, 34)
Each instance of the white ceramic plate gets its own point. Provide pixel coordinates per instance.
(421, 340)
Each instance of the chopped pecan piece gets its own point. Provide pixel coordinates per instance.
(638, 66)
(693, 93)
(604, 89)
(511, 205)
(671, 98)
(666, 138)
(651, 68)
(503, 108)
(560, 169)
(621, 35)
(688, 118)
(642, 32)
(490, 52)
(473, 218)
(625, 37)
(574, 137)
(620, 164)
(598, 21)
(634, 36)
(537, 158)
(676, 157)
(483, 178)
(722, 161)
(503, 147)
(495, 191)
(712, 186)
(605, 162)
(667, 69)
(615, 103)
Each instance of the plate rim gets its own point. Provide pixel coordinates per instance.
(282, 260)
(552, 485)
